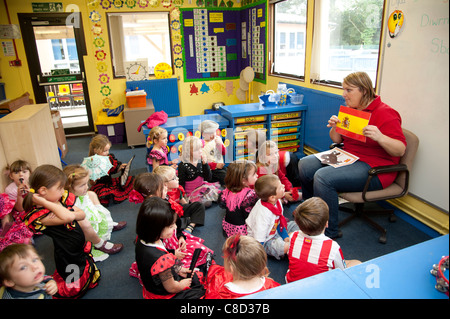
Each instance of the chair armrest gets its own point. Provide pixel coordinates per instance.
(374, 171)
(333, 145)
(388, 169)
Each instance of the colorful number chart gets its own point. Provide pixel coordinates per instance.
(220, 42)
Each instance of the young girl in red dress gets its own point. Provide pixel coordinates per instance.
(162, 274)
(245, 271)
(107, 187)
(49, 209)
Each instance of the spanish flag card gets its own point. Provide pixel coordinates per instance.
(352, 123)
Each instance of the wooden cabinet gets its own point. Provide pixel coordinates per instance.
(133, 118)
(28, 134)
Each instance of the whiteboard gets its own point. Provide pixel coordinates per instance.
(414, 80)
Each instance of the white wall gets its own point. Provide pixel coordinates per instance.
(415, 81)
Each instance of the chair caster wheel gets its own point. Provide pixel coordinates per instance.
(392, 218)
(382, 239)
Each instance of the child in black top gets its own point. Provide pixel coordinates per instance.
(161, 272)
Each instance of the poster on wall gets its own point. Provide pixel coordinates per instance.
(218, 43)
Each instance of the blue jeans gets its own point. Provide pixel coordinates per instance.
(326, 182)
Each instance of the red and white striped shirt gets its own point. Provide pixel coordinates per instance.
(312, 255)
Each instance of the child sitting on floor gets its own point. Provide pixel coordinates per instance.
(213, 150)
(157, 143)
(182, 244)
(195, 174)
(98, 216)
(239, 197)
(245, 270)
(160, 271)
(50, 209)
(311, 217)
(22, 274)
(268, 163)
(266, 222)
(108, 187)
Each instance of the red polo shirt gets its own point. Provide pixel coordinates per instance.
(389, 123)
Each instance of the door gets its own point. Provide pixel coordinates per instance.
(55, 46)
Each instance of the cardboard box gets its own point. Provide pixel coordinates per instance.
(59, 133)
(17, 103)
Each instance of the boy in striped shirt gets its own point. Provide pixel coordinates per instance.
(310, 251)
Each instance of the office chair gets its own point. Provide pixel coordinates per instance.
(397, 189)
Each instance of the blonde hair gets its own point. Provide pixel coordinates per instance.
(246, 257)
(190, 145)
(165, 172)
(74, 173)
(362, 81)
(97, 143)
(267, 146)
(155, 134)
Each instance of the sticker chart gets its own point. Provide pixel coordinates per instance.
(220, 43)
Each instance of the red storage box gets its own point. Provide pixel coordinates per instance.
(136, 101)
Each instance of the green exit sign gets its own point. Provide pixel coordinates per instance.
(47, 6)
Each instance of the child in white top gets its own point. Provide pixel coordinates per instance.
(266, 222)
(213, 150)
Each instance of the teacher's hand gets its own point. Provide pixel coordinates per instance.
(371, 131)
(333, 121)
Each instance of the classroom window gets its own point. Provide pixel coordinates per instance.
(143, 35)
(346, 39)
(289, 38)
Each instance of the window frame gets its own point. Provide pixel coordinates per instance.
(272, 43)
(108, 14)
(309, 47)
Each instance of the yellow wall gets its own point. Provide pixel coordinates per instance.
(17, 79)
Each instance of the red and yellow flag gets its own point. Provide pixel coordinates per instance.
(352, 123)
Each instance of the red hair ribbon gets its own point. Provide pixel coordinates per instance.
(135, 197)
(233, 249)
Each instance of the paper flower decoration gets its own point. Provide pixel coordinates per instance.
(103, 78)
(105, 90)
(100, 55)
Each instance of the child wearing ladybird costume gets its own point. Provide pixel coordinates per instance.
(162, 274)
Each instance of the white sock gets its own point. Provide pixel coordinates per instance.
(100, 244)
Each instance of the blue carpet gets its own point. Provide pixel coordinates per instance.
(359, 240)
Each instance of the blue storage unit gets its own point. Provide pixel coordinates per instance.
(283, 124)
(163, 92)
(179, 127)
(321, 106)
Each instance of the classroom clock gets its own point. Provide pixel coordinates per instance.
(163, 71)
(136, 70)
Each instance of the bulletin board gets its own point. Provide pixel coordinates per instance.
(218, 43)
